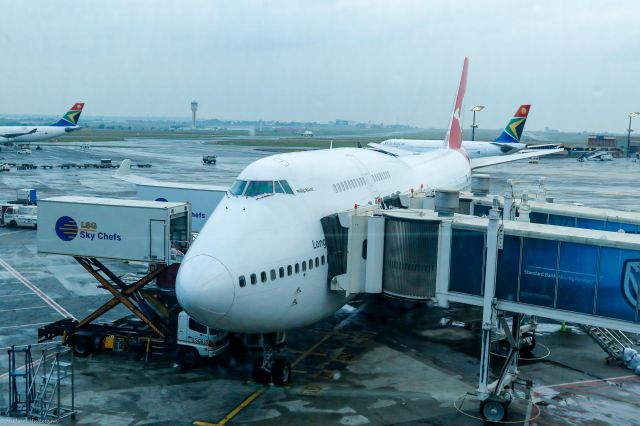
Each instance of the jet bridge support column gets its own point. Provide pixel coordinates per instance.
(443, 262)
(488, 308)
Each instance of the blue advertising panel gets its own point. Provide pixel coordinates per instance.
(577, 277)
(627, 228)
(508, 269)
(618, 283)
(559, 220)
(467, 262)
(538, 272)
(584, 223)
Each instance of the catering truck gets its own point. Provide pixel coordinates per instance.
(156, 233)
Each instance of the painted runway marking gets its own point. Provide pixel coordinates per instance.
(26, 293)
(9, 233)
(312, 350)
(23, 325)
(23, 309)
(48, 300)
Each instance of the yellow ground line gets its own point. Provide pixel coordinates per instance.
(255, 395)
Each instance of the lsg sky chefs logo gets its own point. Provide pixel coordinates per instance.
(67, 229)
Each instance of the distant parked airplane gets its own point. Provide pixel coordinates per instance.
(68, 123)
(507, 143)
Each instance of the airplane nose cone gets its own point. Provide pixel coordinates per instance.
(204, 288)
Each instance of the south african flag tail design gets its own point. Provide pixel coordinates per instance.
(513, 130)
(72, 116)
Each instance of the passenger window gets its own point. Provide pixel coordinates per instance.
(322, 259)
(281, 271)
(273, 274)
(263, 277)
(238, 187)
(197, 327)
(304, 266)
(242, 281)
(259, 187)
(279, 189)
(334, 188)
(286, 187)
(317, 262)
(297, 268)
(253, 279)
(310, 263)
(289, 270)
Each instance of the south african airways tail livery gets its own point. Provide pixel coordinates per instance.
(68, 123)
(259, 265)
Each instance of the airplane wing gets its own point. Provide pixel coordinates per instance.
(396, 152)
(477, 163)
(124, 173)
(543, 146)
(15, 135)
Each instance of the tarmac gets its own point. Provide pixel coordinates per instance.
(376, 361)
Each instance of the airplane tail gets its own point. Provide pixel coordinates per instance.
(513, 130)
(453, 139)
(72, 116)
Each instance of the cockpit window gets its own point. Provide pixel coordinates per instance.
(279, 189)
(286, 187)
(238, 187)
(259, 187)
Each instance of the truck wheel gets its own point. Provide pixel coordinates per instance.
(281, 372)
(188, 357)
(13, 224)
(82, 346)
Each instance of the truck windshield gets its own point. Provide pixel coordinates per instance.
(238, 187)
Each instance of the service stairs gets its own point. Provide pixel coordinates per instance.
(54, 397)
(613, 342)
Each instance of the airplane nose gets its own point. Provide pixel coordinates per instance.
(204, 288)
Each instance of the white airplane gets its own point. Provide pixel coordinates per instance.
(260, 263)
(507, 143)
(68, 123)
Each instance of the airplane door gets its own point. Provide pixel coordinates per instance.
(157, 244)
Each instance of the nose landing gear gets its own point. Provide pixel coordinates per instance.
(270, 367)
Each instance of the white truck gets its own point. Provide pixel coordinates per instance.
(15, 216)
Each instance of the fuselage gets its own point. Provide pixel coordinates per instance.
(27, 133)
(475, 149)
(259, 264)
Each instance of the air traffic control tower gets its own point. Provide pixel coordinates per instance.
(194, 109)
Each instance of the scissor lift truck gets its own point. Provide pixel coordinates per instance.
(157, 233)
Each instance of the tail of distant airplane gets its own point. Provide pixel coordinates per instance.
(453, 139)
(513, 130)
(72, 116)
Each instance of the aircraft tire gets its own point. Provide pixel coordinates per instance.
(260, 375)
(281, 372)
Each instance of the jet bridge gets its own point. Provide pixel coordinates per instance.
(584, 276)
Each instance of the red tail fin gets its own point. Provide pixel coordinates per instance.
(453, 140)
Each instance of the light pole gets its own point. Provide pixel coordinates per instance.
(631, 115)
(475, 109)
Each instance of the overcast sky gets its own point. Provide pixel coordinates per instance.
(577, 62)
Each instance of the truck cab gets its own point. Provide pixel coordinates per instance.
(197, 341)
(20, 216)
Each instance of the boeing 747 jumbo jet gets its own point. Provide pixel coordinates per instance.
(68, 123)
(259, 263)
(507, 143)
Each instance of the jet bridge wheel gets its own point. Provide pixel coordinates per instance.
(528, 343)
(494, 410)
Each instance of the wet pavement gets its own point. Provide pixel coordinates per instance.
(375, 362)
